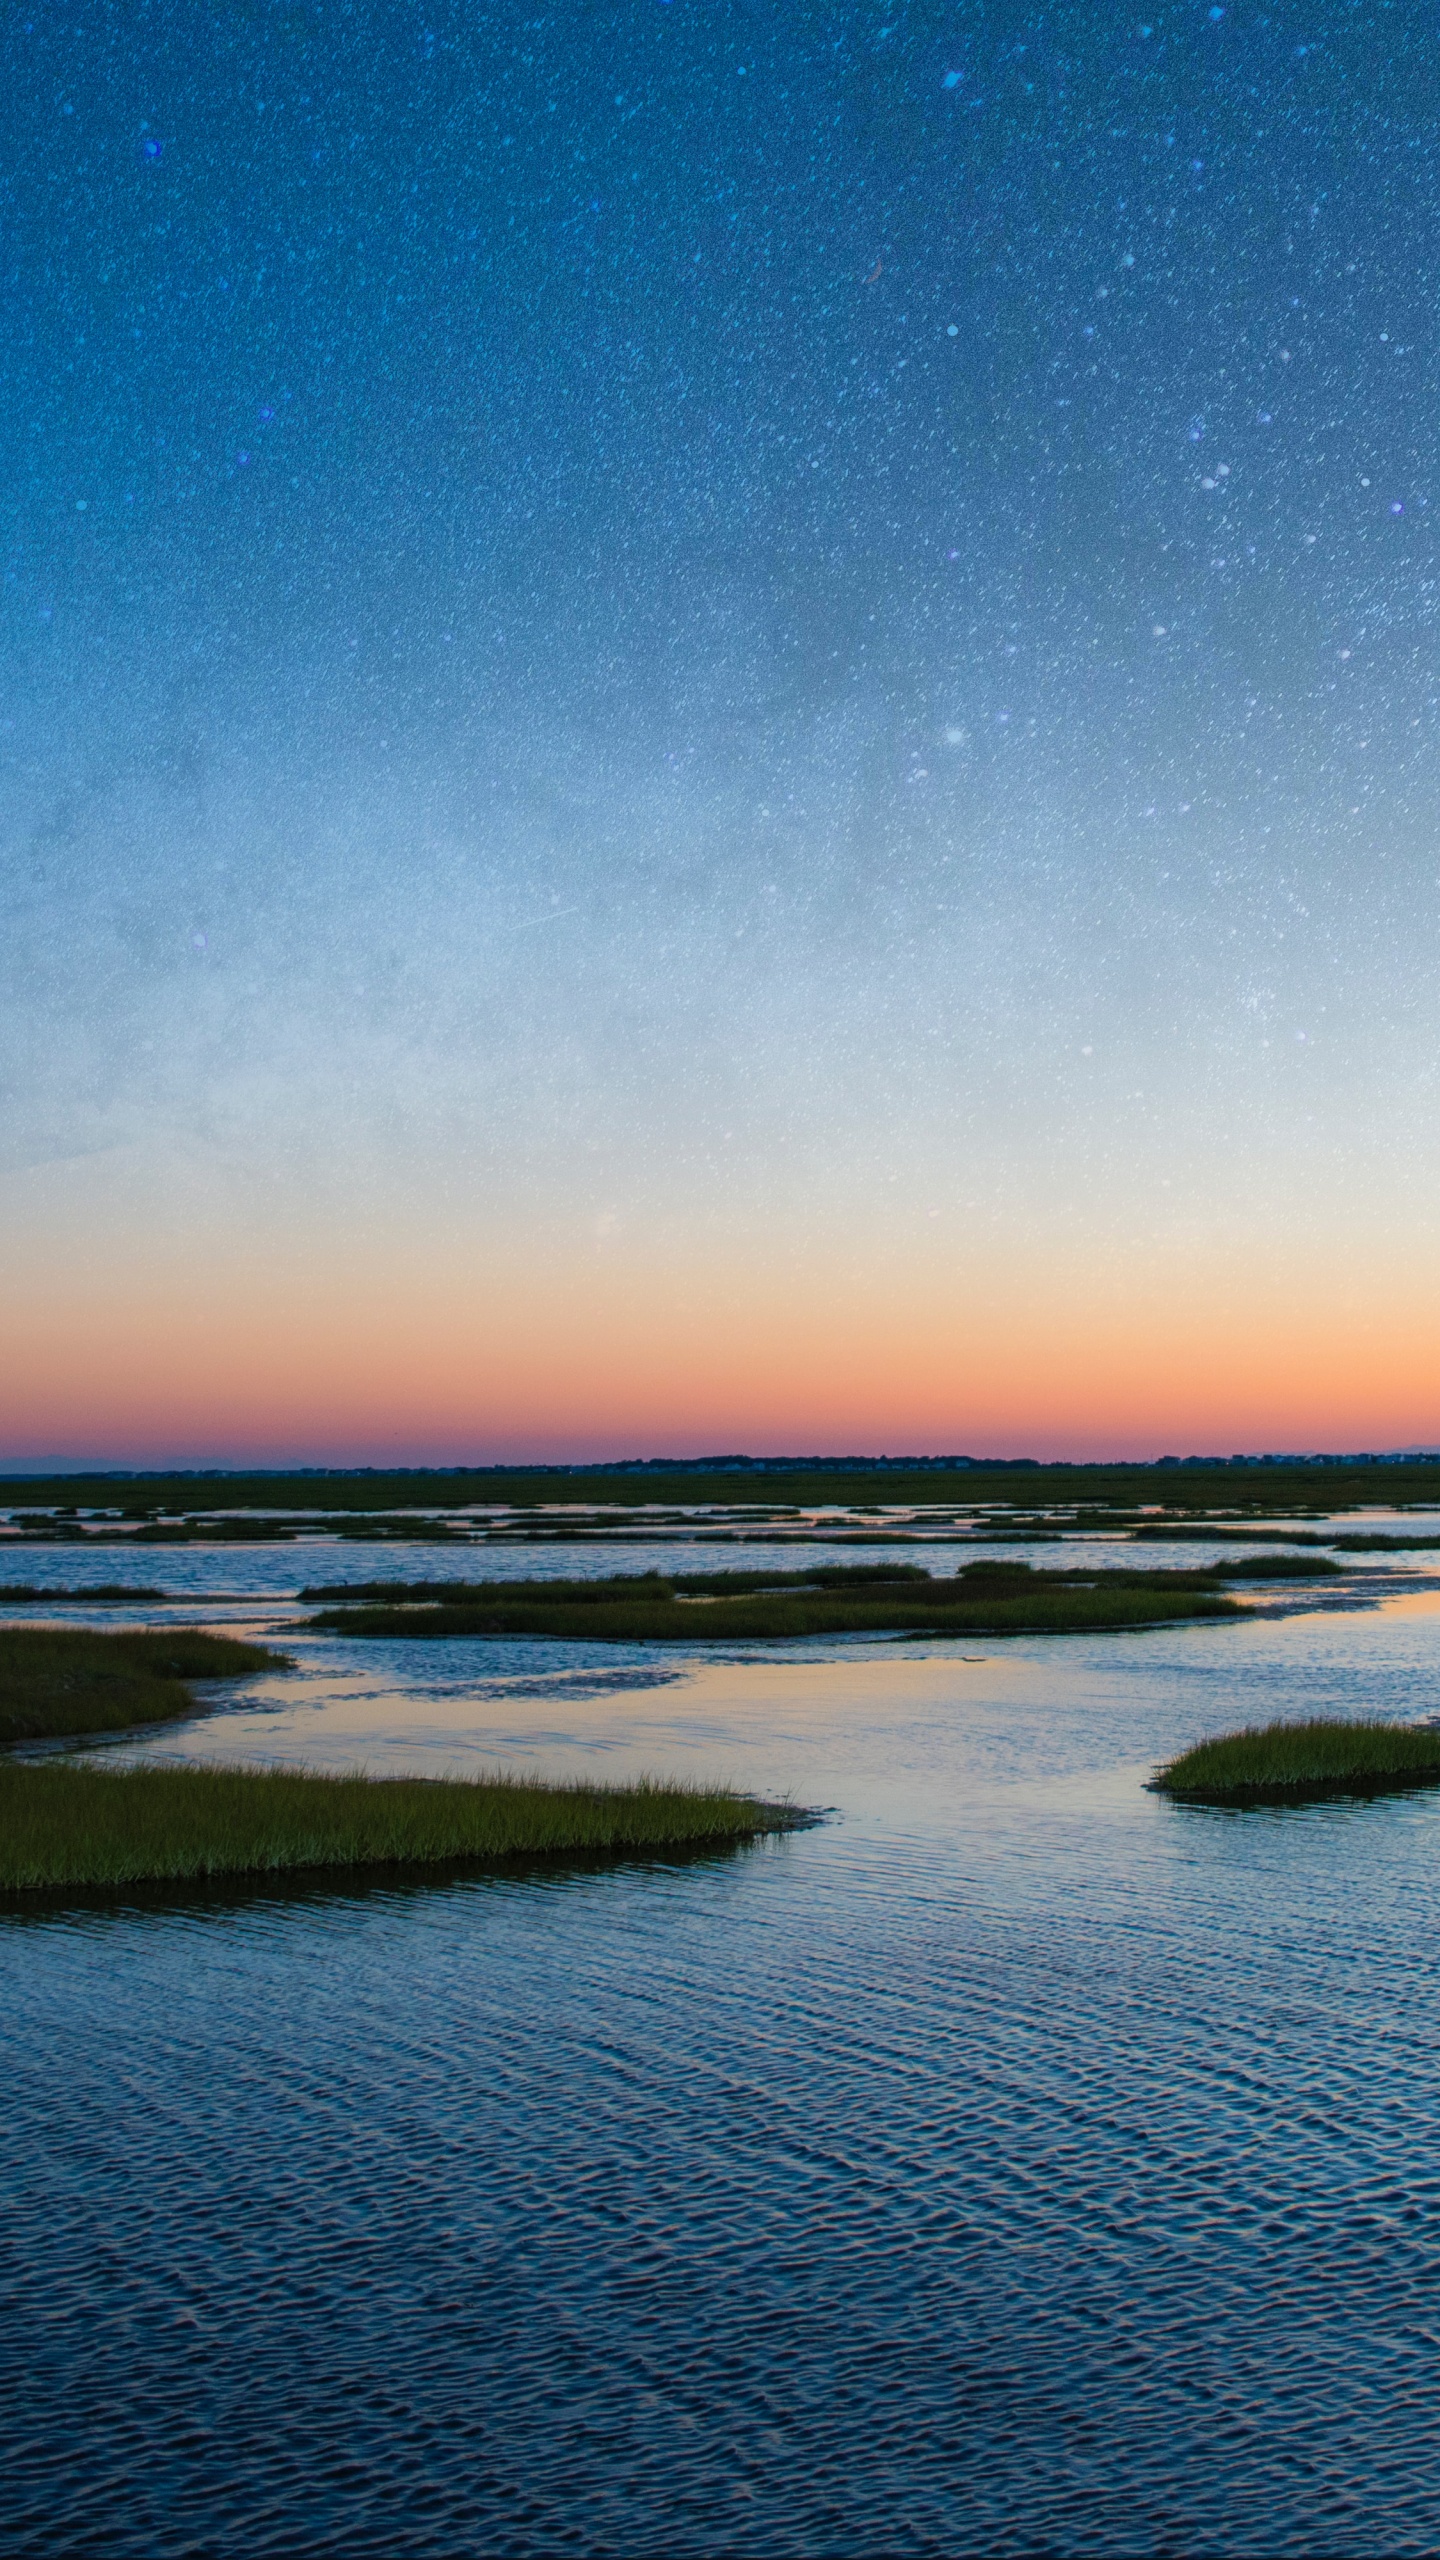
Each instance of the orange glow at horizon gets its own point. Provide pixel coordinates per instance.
(405, 1365)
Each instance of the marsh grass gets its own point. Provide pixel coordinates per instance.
(1277, 1568)
(1263, 1492)
(642, 1586)
(989, 1598)
(1375, 1542)
(1350, 1541)
(1289, 1763)
(66, 1595)
(70, 1822)
(58, 1681)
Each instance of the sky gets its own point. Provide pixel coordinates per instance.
(718, 729)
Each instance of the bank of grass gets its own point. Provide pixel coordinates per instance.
(68, 1822)
(1349, 1541)
(1262, 1491)
(990, 1598)
(738, 1581)
(62, 1681)
(65, 1594)
(1291, 1763)
(1275, 1568)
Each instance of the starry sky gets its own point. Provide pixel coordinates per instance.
(719, 728)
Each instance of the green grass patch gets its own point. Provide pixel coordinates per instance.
(1200, 1485)
(24, 1594)
(56, 1681)
(69, 1823)
(1352, 1541)
(1276, 1568)
(1376, 1542)
(989, 1598)
(643, 1586)
(1292, 1763)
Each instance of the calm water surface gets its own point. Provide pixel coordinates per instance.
(1014, 2162)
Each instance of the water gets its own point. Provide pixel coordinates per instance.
(1015, 2162)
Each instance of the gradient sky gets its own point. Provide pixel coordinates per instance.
(719, 728)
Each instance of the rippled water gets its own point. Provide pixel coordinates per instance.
(1015, 2162)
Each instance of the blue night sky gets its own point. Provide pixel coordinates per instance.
(779, 635)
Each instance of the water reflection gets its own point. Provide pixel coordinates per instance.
(1016, 2162)
(114, 1909)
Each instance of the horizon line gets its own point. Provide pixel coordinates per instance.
(730, 1462)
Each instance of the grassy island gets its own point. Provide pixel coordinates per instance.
(1350, 1541)
(59, 1681)
(990, 1598)
(71, 1823)
(64, 1595)
(1297, 1763)
(66, 1821)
